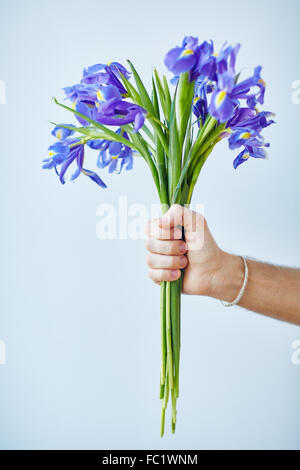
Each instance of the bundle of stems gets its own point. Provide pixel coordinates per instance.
(175, 149)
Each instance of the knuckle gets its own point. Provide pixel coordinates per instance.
(148, 244)
(152, 275)
(149, 260)
(177, 209)
(147, 227)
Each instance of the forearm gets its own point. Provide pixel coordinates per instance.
(271, 290)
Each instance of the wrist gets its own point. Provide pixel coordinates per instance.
(228, 279)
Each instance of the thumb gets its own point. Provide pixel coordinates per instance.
(179, 215)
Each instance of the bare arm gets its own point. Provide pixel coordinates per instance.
(271, 290)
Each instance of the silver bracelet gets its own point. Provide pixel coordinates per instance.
(236, 301)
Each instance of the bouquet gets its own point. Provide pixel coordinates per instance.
(174, 128)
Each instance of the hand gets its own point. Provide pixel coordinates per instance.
(204, 262)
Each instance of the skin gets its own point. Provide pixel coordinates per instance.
(209, 271)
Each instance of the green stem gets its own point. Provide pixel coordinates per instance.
(163, 332)
(169, 336)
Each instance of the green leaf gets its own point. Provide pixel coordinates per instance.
(134, 95)
(162, 97)
(90, 131)
(142, 147)
(184, 100)
(146, 101)
(174, 151)
(155, 98)
(111, 135)
(167, 94)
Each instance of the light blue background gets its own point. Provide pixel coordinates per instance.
(78, 315)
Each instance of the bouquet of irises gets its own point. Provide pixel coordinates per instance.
(174, 128)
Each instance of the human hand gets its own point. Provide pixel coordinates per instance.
(206, 265)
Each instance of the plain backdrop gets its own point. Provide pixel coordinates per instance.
(79, 317)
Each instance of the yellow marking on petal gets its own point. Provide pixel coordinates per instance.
(197, 98)
(115, 157)
(256, 109)
(215, 54)
(51, 154)
(100, 96)
(246, 156)
(59, 134)
(262, 82)
(108, 63)
(245, 135)
(74, 104)
(220, 97)
(187, 52)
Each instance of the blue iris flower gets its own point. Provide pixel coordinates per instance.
(256, 122)
(183, 58)
(62, 132)
(112, 153)
(100, 94)
(240, 137)
(106, 74)
(227, 94)
(62, 154)
(253, 148)
(200, 106)
(58, 153)
(120, 112)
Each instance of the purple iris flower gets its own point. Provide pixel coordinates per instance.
(227, 94)
(61, 132)
(108, 93)
(256, 122)
(240, 137)
(64, 153)
(102, 74)
(240, 115)
(200, 106)
(86, 108)
(113, 152)
(83, 98)
(71, 92)
(253, 148)
(118, 113)
(212, 65)
(58, 153)
(183, 58)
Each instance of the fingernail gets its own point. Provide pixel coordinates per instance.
(174, 274)
(182, 261)
(182, 247)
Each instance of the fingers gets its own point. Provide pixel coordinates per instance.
(158, 275)
(178, 215)
(153, 230)
(156, 261)
(166, 247)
